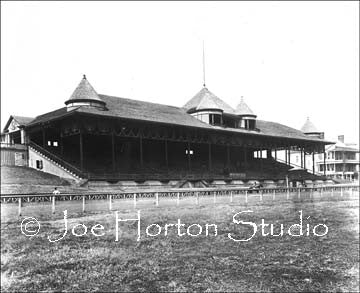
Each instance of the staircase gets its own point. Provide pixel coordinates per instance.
(71, 170)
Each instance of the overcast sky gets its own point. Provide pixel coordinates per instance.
(289, 60)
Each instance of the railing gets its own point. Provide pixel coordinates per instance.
(302, 193)
(16, 146)
(58, 160)
(183, 191)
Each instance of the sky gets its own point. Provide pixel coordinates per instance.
(289, 60)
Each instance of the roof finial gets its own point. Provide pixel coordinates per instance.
(84, 76)
(204, 64)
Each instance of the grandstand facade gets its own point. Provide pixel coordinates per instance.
(105, 138)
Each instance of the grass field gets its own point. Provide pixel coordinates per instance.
(185, 263)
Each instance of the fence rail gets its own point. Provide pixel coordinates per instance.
(177, 194)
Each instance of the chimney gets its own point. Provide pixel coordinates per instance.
(341, 138)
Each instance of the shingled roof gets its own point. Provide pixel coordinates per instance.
(84, 92)
(152, 112)
(21, 120)
(205, 97)
(309, 127)
(243, 109)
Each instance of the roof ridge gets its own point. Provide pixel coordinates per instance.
(176, 107)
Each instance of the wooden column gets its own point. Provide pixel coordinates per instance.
(189, 156)
(113, 151)
(166, 154)
(141, 151)
(289, 153)
(61, 145)
(81, 151)
(275, 155)
(313, 162)
(304, 159)
(261, 161)
(245, 156)
(286, 157)
(210, 161)
(228, 156)
(301, 158)
(324, 162)
(43, 138)
(268, 154)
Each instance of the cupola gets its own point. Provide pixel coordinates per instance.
(247, 118)
(85, 96)
(310, 129)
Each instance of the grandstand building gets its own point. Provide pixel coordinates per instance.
(101, 138)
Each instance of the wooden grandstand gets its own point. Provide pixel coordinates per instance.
(104, 138)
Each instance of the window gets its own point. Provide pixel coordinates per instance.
(55, 144)
(49, 142)
(191, 152)
(39, 164)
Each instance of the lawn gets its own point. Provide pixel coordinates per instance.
(184, 263)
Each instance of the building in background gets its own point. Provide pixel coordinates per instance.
(338, 161)
(342, 160)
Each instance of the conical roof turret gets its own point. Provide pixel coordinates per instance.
(205, 99)
(85, 93)
(243, 109)
(309, 127)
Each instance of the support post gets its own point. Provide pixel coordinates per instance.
(134, 200)
(289, 156)
(231, 196)
(304, 159)
(110, 202)
(113, 151)
(341, 192)
(274, 195)
(313, 162)
(228, 156)
(324, 162)
(197, 197)
(178, 198)
(81, 151)
(189, 156)
(261, 195)
(166, 155)
(43, 138)
(210, 162)
(53, 205)
(268, 154)
(61, 145)
(19, 211)
(301, 158)
(156, 199)
(214, 196)
(245, 156)
(141, 151)
(83, 203)
(275, 155)
(246, 196)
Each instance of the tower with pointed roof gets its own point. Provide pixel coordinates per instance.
(247, 118)
(309, 129)
(207, 107)
(85, 96)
